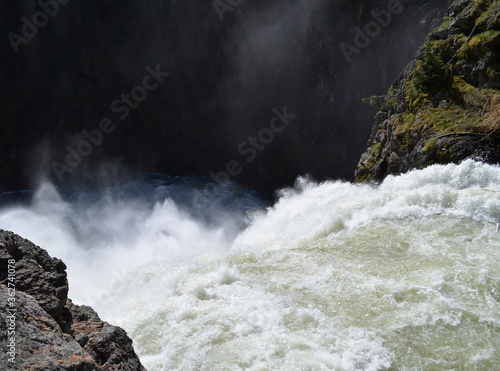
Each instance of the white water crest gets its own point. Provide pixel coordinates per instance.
(335, 276)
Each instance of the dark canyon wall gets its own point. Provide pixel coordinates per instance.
(77, 102)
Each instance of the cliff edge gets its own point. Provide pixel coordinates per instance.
(445, 106)
(41, 329)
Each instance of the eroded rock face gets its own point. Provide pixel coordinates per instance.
(40, 343)
(52, 333)
(37, 274)
(108, 345)
(445, 106)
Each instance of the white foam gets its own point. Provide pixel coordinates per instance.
(405, 275)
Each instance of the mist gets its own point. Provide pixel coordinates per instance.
(102, 234)
(225, 78)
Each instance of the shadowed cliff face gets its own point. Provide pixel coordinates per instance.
(197, 88)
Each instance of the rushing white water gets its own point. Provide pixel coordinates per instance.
(401, 276)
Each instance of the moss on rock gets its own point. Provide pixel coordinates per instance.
(446, 104)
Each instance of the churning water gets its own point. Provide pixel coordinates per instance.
(400, 276)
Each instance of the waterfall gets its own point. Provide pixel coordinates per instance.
(402, 275)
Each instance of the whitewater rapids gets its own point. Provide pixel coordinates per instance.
(335, 276)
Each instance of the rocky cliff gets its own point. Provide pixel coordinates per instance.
(445, 105)
(41, 329)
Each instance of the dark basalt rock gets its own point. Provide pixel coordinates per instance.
(52, 333)
(40, 343)
(38, 275)
(108, 345)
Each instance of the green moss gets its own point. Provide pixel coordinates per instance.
(446, 23)
(492, 74)
(373, 101)
(404, 121)
(416, 99)
(406, 141)
(440, 102)
(364, 178)
(490, 12)
(461, 108)
(430, 145)
(408, 119)
(448, 47)
(477, 8)
(475, 47)
(370, 162)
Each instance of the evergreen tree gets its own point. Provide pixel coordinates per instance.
(431, 75)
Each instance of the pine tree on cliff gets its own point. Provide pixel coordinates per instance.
(431, 75)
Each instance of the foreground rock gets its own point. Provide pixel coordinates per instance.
(50, 332)
(445, 106)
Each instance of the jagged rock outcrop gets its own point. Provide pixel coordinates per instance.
(49, 331)
(445, 105)
(37, 274)
(39, 342)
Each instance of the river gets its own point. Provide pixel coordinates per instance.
(404, 275)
